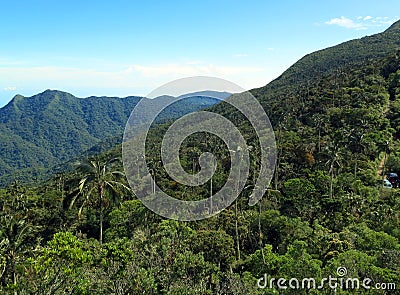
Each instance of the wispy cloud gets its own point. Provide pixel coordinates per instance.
(241, 55)
(10, 88)
(192, 69)
(361, 22)
(124, 77)
(10, 62)
(194, 62)
(346, 23)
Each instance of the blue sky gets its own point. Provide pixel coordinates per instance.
(121, 48)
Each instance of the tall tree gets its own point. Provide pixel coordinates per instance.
(14, 235)
(335, 159)
(357, 146)
(99, 185)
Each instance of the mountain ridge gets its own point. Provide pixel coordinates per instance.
(53, 127)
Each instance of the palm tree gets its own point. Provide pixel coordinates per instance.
(98, 181)
(12, 242)
(282, 125)
(335, 158)
(269, 193)
(14, 235)
(357, 146)
(320, 124)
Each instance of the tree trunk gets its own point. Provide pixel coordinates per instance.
(13, 272)
(101, 213)
(14, 279)
(319, 139)
(237, 231)
(277, 169)
(355, 167)
(211, 191)
(278, 159)
(331, 183)
(259, 231)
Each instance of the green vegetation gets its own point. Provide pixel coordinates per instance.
(39, 134)
(337, 132)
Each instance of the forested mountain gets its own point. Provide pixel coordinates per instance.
(336, 117)
(53, 127)
(353, 54)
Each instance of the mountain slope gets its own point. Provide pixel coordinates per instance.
(333, 103)
(331, 123)
(333, 59)
(53, 127)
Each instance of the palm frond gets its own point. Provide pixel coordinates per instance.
(113, 160)
(118, 173)
(73, 200)
(114, 193)
(81, 209)
(82, 183)
(85, 166)
(120, 184)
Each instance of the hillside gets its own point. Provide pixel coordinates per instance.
(339, 102)
(53, 127)
(334, 59)
(332, 130)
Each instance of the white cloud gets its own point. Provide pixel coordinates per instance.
(241, 55)
(270, 49)
(362, 22)
(346, 23)
(10, 88)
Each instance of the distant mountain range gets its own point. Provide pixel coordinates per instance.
(53, 127)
